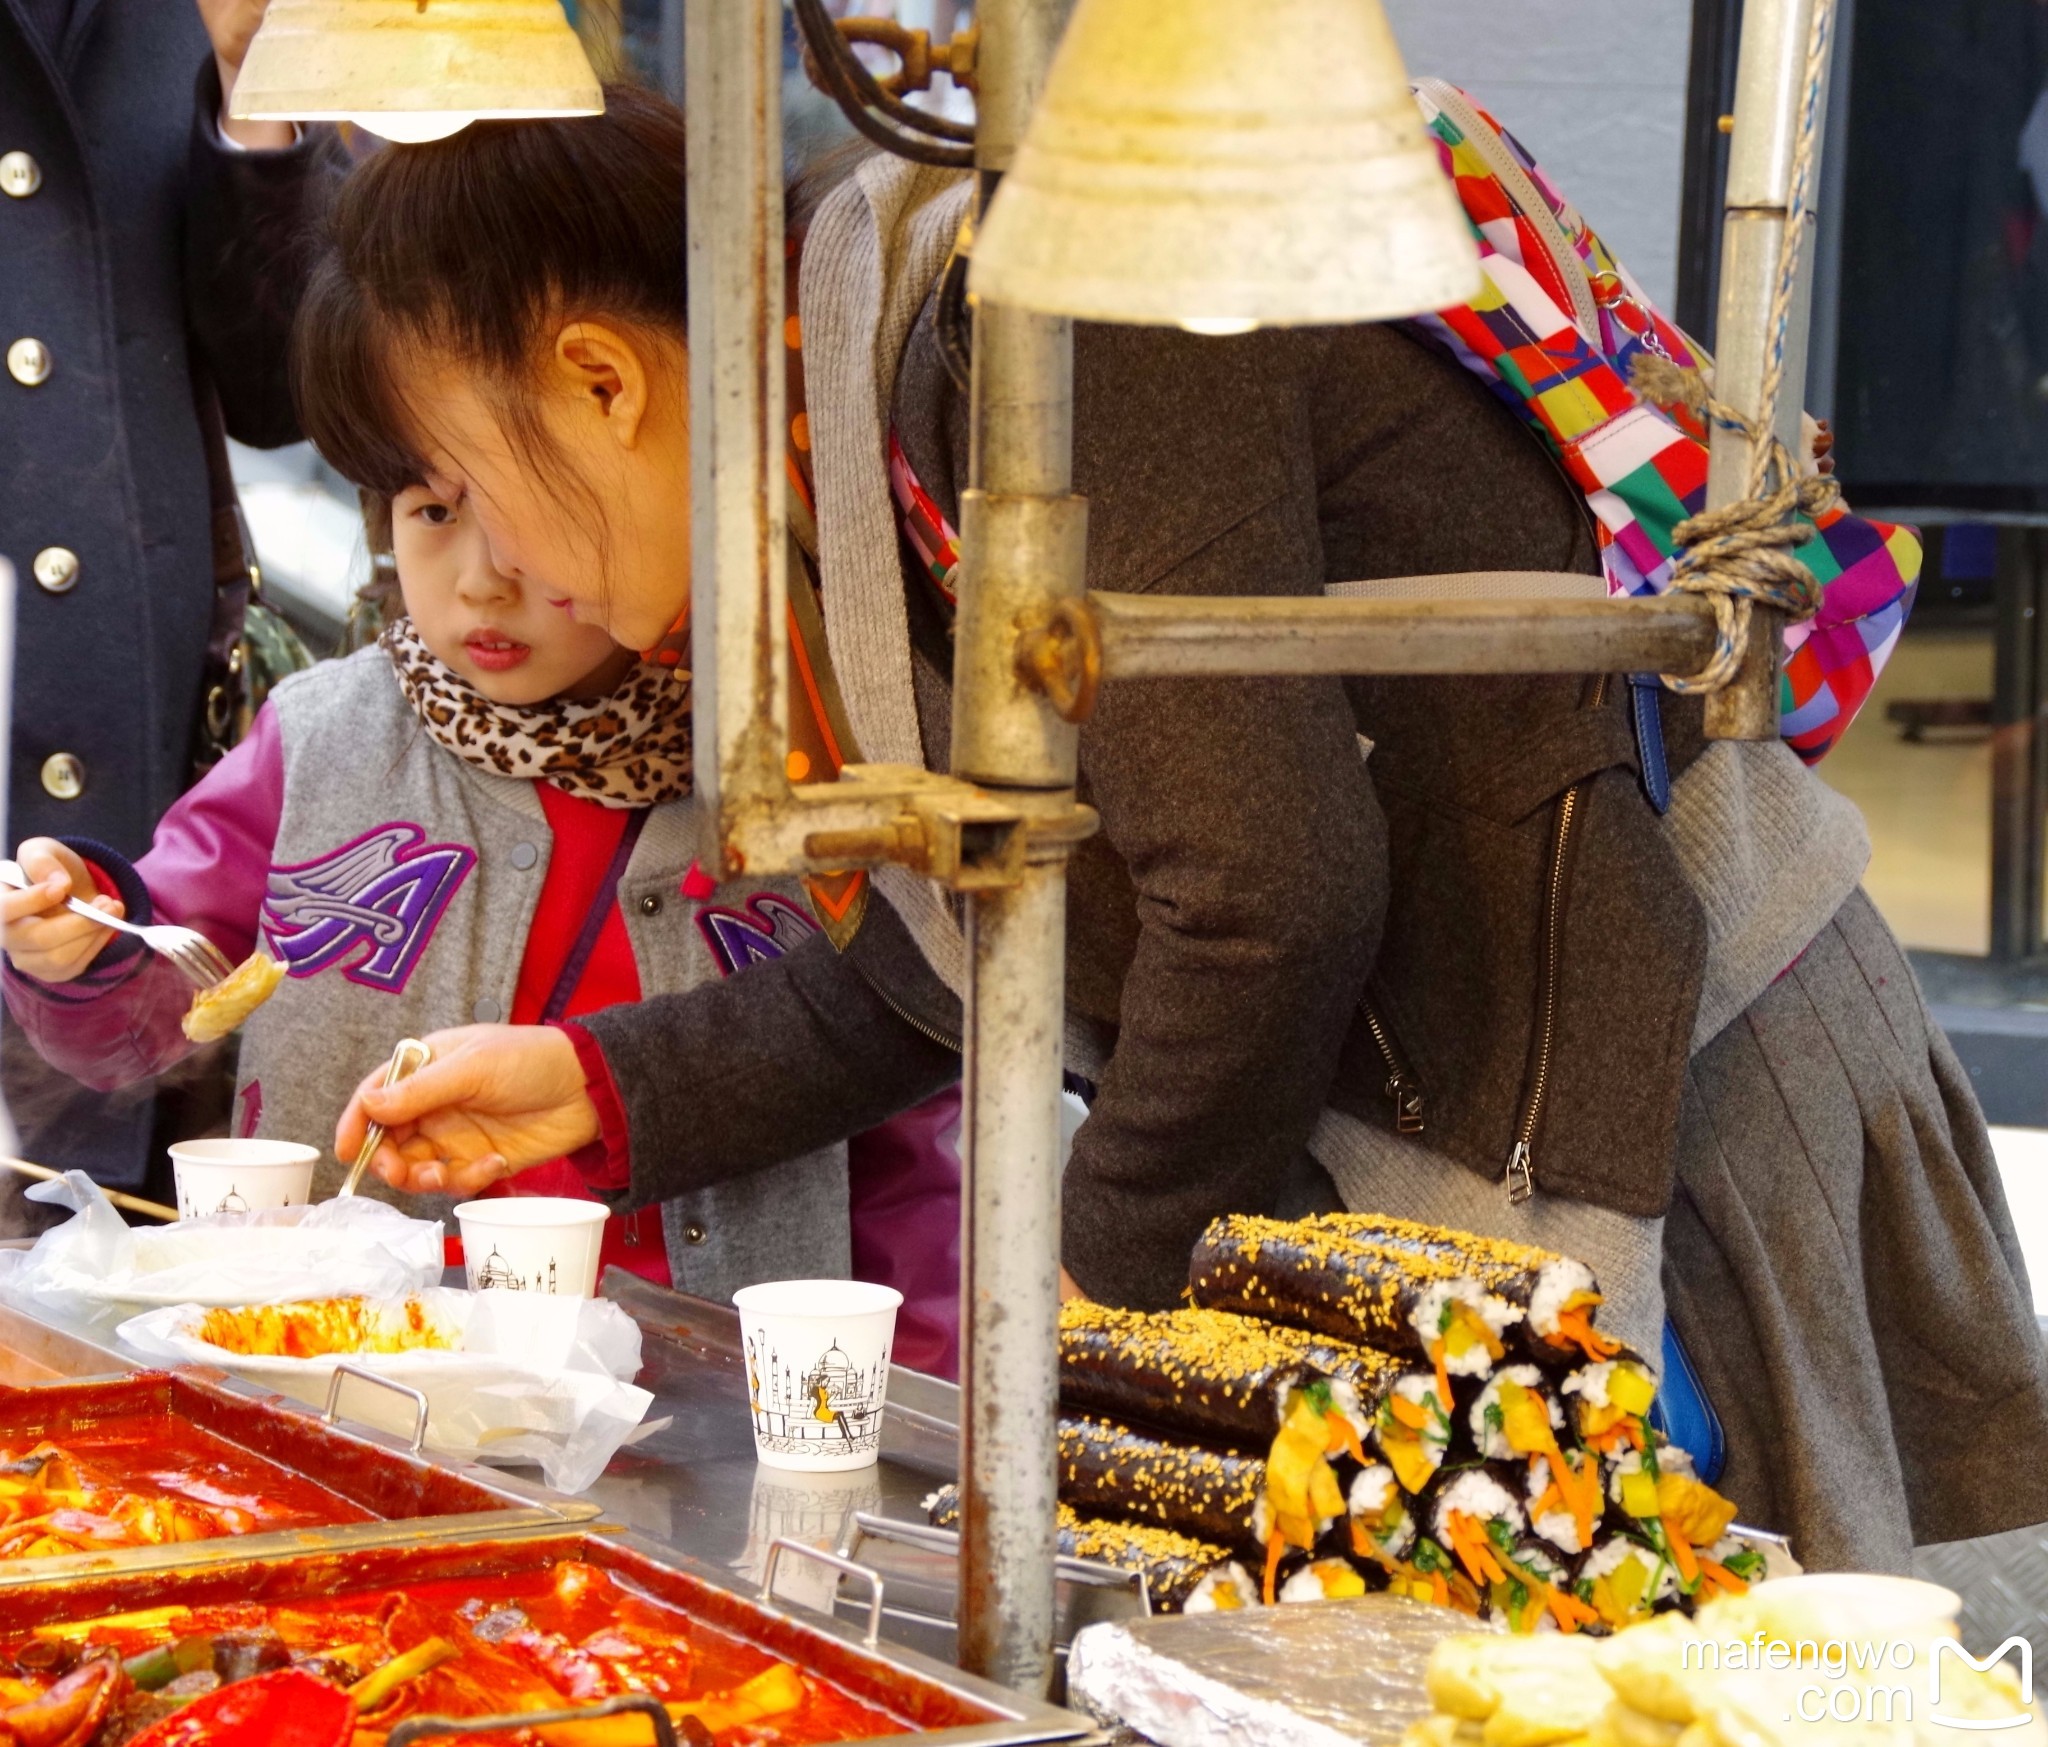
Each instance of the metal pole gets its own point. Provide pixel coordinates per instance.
(1770, 93)
(1022, 541)
(739, 585)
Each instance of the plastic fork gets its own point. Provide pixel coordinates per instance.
(204, 965)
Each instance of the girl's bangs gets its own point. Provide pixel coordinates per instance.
(346, 381)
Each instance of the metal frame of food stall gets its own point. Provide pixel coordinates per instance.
(1032, 645)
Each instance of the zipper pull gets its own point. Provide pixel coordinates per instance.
(1407, 1101)
(1521, 1175)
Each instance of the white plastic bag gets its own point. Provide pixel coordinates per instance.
(95, 1264)
(528, 1378)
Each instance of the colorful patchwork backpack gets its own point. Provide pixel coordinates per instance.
(1556, 333)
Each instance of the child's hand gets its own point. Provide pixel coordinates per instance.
(41, 938)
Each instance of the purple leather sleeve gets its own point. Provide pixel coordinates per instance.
(206, 869)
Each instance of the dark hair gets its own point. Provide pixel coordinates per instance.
(476, 248)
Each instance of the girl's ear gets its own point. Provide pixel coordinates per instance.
(609, 372)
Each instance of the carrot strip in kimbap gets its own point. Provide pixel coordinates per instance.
(1515, 1415)
(1223, 1378)
(1212, 1495)
(1536, 1594)
(1431, 1574)
(1353, 1290)
(1382, 1526)
(1557, 1294)
(1413, 1429)
(1669, 1506)
(1613, 1403)
(1566, 1518)
(1731, 1565)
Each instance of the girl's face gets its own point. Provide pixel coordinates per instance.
(594, 519)
(508, 641)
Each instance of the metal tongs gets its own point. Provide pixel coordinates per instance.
(407, 1059)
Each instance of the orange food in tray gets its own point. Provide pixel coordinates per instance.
(123, 1489)
(321, 1327)
(554, 1638)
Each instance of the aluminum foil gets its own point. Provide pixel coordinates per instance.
(1322, 1674)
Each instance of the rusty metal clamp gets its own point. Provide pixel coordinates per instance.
(1059, 656)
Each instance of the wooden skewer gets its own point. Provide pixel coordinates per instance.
(134, 1203)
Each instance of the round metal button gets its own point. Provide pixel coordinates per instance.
(63, 776)
(56, 569)
(28, 362)
(650, 905)
(524, 855)
(20, 175)
(693, 1233)
(487, 1012)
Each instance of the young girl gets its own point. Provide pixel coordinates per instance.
(487, 816)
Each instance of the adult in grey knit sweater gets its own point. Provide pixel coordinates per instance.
(1746, 1114)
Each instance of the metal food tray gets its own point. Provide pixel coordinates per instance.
(941, 1704)
(412, 1497)
(34, 1351)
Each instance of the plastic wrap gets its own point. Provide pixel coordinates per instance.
(1326, 1674)
(525, 1379)
(96, 1266)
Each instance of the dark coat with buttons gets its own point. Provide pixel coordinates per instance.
(148, 248)
(159, 270)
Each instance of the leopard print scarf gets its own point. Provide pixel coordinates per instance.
(630, 749)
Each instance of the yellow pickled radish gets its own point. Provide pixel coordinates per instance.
(1325, 1496)
(1409, 1461)
(1630, 1390)
(1639, 1495)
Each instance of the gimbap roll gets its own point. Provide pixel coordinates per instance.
(1515, 1417)
(1611, 1403)
(1412, 1429)
(1382, 1525)
(1106, 1469)
(1182, 1574)
(1566, 1516)
(1624, 1581)
(1536, 1595)
(1734, 1562)
(1176, 1568)
(1353, 1290)
(1225, 1379)
(1556, 1294)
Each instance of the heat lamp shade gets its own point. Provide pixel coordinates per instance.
(414, 69)
(1224, 164)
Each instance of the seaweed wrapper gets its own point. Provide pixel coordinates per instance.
(1111, 1470)
(1173, 1564)
(1217, 1376)
(1323, 1280)
(1333, 1675)
(1529, 1278)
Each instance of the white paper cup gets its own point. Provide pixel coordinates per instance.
(241, 1176)
(817, 1355)
(545, 1244)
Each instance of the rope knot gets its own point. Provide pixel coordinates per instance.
(1740, 553)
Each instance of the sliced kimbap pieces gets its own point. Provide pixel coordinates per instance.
(1477, 1516)
(1412, 1430)
(1611, 1403)
(1515, 1417)
(1334, 1578)
(1566, 1517)
(1669, 1506)
(1227, 1589)
(1382, 1524)
(1624, 1581)
(1430, 1573)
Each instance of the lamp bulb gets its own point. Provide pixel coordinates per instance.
(1218, 324)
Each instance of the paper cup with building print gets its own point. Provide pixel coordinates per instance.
(241, 1176)
(543, 1244)
(817, 1354)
